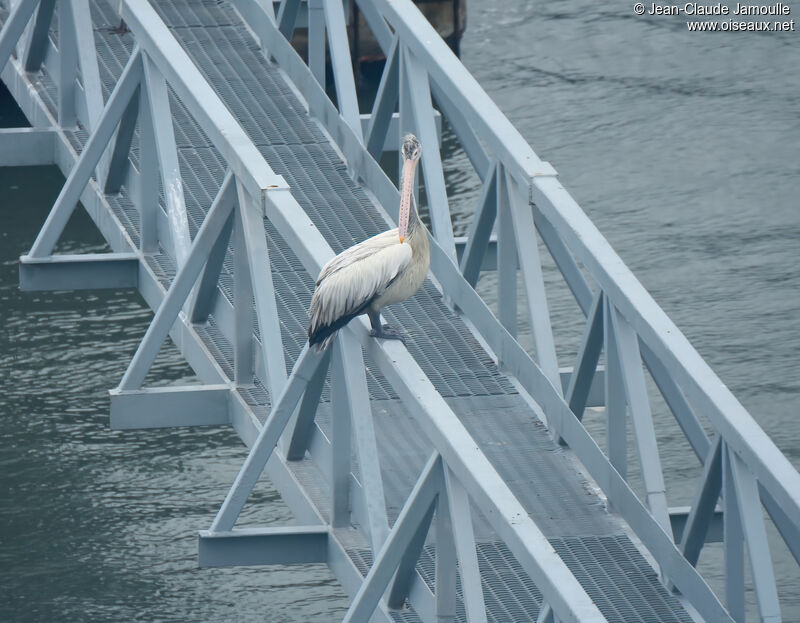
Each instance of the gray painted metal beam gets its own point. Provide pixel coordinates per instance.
(679, 518)
(268, 436)
(563, 258)
(36, 46)
(342, 64)
(533, 280)
(316, 40)
(377, 133)
(415, 513)
(150, 213)
(263, 291)
(616, 408)
(460, 514)
(354, 383)
(703, 507)
(644, 433)
(414, 80)
(287, 17)
(338, 470)
(167, 153)
(755, 538)
(67, 67)
(507, 258)
(23, 147)
(90, 156)
(676, 401)
(446, 562)
(13, 28)
(206, 290)
(400, 586)
(179, 290)
(786, 525)
(733, 543)
(88, 271)
(289, 545)
(164, 407)
(302, 425)
(119, 161)
(81, 19)
(582, 379)
(202, 102)
(476, 251)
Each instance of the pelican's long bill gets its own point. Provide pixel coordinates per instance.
(409, 166)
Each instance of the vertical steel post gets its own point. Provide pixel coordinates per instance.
(36, 46)
(616, 417)
(148, 174)
(506, 257)
(67, 66)
(734, 542)
(316, 40)
(242, 304)
(340, 441)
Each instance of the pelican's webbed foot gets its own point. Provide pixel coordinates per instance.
(383, 331)
(388, 333)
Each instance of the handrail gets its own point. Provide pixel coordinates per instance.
(657, 330)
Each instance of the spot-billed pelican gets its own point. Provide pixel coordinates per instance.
(385, 269)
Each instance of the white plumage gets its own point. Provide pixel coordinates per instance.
(356, 276)
(379, 271)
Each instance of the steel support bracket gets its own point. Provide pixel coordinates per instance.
(27, 146)
(161, 407)
(263, 546)
(87, 271)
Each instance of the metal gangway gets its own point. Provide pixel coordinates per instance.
(452, 479)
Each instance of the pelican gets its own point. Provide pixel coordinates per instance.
(385, 269)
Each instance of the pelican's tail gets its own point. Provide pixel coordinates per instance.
(319, 346)
(321, 336)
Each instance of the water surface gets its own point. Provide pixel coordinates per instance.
(683, 147)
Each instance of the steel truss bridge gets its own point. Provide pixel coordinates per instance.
(223, 177)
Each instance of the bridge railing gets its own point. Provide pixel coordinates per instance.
(457, 471)
(521, 195)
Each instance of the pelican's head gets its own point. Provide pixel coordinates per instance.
(411, 150)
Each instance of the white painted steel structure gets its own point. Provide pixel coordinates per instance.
(520, 195)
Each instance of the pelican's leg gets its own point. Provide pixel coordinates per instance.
(383, 331)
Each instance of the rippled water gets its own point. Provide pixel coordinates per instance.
(683, 147)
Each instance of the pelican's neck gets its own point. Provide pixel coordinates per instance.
(407, 217)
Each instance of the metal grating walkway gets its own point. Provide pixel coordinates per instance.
(563, 504)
